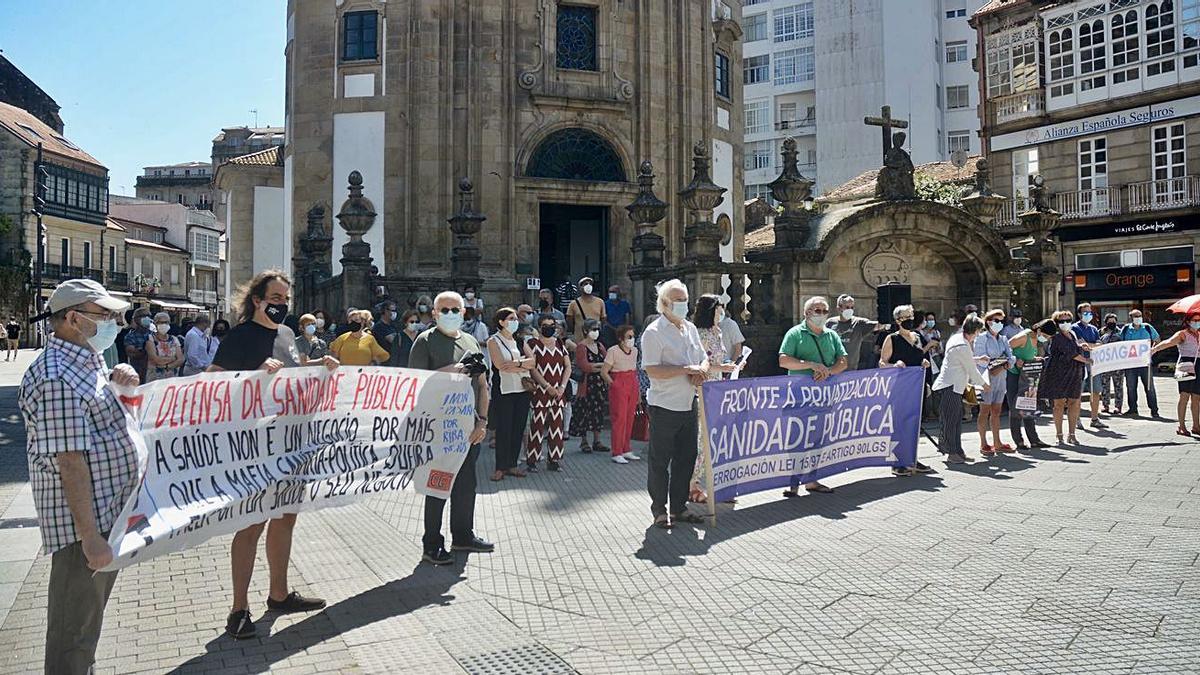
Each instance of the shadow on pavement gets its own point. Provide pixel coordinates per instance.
(425, 586)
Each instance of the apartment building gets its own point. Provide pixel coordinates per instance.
(1102, 100)
(813, 70)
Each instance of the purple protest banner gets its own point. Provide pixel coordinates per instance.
(760, 432)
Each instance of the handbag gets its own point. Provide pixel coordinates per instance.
(1182, 375)
(641, 423)
(969, 397)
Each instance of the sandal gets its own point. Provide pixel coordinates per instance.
(820, 489)
(986, 450)
(600, 447)
(663, 521)
(697, 496)
(517, 472)
(1004, 447)
(1196, 431)
(1182, 432)
(497, 475)
(1072, 440)
(587, 449)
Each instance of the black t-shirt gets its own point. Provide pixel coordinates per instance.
(246, 347)
(14, 330)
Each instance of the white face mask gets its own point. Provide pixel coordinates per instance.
(818, 319)
(680, 309)
(470, 295)
(153, 328)
(512, 325)
(952, 321)
(1017, 321)
(848, 314)
(1137, 320)
(587, 288)
(414, 326)
(719, 316)
(106, 334)
(1064, 326)
(320, 323)
(594, 334)
(310, 329)
(996, 326)
(628, 343)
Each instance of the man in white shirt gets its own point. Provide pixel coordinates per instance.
(676, 363)
(199, 347)
(732, 338)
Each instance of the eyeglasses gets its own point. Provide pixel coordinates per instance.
(448, 310)
(104, 316)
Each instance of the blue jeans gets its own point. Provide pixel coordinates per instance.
(1132, 376)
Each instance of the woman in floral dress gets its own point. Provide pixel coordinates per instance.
(591, 405)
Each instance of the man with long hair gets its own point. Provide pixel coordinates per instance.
(262, 306)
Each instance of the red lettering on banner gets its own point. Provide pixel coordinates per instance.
(394, 393)
(306, 395)
(192, 404)
(440, 480)
(252, 404)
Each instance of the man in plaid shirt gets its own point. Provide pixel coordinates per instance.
(82, 464)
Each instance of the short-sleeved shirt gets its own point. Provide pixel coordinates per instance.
(68, 406)
(620, 361)
(1142, 332)
(803, 344)
(1086, 332)
(731, 334)
(358, 351)
(381, 331)
(618, 312)
(313, 350)
(433, 349)
(850, 335)
(14, 330)
(664, 344)
(246, 347)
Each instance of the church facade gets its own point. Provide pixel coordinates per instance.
(548, 108)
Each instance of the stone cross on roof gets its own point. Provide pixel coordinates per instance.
(888, 123)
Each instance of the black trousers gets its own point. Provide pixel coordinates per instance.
(673, 448)
(1016, 421)
(510, 412)
(950, 408)
(462, 507)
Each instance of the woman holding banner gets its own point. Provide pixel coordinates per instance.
(904, 349)
(1062, 377)
(1025, 350)
(958, 372)
(1188, 341)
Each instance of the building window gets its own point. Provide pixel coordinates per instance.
(787, 115)
(958, 140)
(1025, 167)
(64, 252)
(1189, 16)
(1170, 255)
(755, 28)
(157, 267)
(1160, 37)
(795, 65)
(576, 43)
(1125, 50)
(174, 275)
(759, 191)
(359, 33)
(721, 68)
(87, 256)
(1062, 61)
(137, 266)
(1093, 175)
(758, 155)
(758, 117)
(576, 154)
(757, 69)
(1170, 162)
(1098, 261)
(112, 258)
(956, 13)
(1092, 47)
(793, 23)
(958, 97)
(956, 52)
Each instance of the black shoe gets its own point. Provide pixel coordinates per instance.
(553, 466)
(1155, 415)
(475, 545)
(531, 467)
(902, 471)
(295, 602)
(239, 626)
(438, 557)
(921, 468)
(1130, 413)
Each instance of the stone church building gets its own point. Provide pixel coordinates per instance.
(547, 108)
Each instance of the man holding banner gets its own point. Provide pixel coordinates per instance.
(811, 348)
(1137, 329)
(263, 305)
(82, 464)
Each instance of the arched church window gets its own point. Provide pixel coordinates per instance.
(576, 43)
(575, 154)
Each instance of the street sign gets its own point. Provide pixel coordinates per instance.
(533, 284)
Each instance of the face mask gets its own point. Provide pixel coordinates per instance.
(422, 308)
(1112, 325)
(587, 289)
(908, 324)
(679, 309)
(163, 328)
(1064, 326)
(512, 325)
(1137, 320)
(145, 322)
(719, 316)
(450, 322)
(543, 303)
(310, 329)
(320, 323)
(594, 334)
(847, 314)
(548, 331)
(612, 296)
(996, 326)
(218, 332)
(392, 316)
(470, 295)
(818, 319)
(628, 343)
(1043, 339)
(354, 326)
(1194, 324)
(952, 321)
(1086, 317)
(930, 323)
(106, 334)
(414, 326)
(153, 328)
(277, 312)
(1017, 321)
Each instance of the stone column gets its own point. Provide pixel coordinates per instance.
(466, 224)
(1037, 274)
(313, 264)
(648, 246)
(356, 218)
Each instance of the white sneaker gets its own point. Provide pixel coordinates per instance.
(630, 456)
(620, 459)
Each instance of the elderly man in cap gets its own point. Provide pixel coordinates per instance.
(586, 306)
(82, 464)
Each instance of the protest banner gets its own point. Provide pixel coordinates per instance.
(1120, 356)
(761, 432)
(221, 451)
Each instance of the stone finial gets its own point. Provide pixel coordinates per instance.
(791, 189)
(701, 237)
(647, 209)
(981, 202)
(983, 175)
(466, 224)
(358, 213)
(316, 221)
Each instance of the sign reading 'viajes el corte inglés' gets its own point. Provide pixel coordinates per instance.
(221, 451)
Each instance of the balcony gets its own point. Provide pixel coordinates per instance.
(1007, 218)
(200, 297)
(808, 123)
(1018, 106)
(118, 280)
(1161, 195)
(1094, 203)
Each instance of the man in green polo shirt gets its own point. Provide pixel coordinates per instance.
(810, 349)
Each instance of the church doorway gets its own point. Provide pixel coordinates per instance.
(574, 243)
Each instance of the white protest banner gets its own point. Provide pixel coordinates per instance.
(1120, 356)
(221, 451)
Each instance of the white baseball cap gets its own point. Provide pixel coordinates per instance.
(75, 292)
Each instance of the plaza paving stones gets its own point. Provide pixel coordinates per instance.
(1081, 559)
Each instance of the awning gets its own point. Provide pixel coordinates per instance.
(121, 293)
(178, 306)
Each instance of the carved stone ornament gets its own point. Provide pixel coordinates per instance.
(886, 264)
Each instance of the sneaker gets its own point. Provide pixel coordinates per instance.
(239, 626)
(295, 602)
(631, 456)
(1130, 413)
(902, 471)
(475, 545)
(921, 468)
(619, 459)
(439, 557)
(1098, 424)
(952, 458)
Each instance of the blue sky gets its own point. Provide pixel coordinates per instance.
(145, 82)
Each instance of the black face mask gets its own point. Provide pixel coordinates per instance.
(277, 312)
(1111, 326)
(548, 331)
(219, 331)
(543, 304)
(908, 324)
(354, 326)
